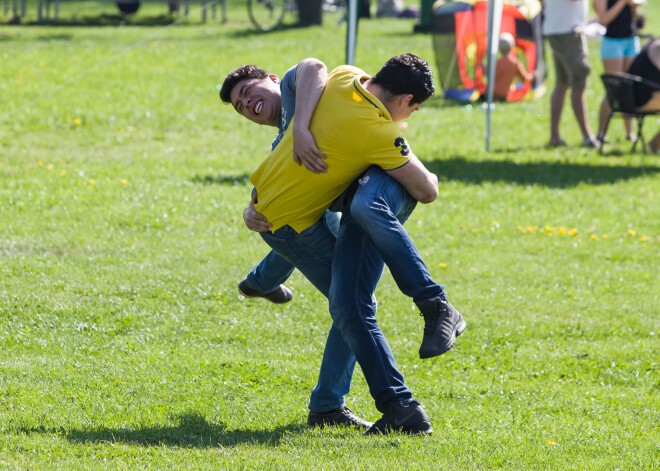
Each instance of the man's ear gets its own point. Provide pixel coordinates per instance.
(274, 78)
(405, 99)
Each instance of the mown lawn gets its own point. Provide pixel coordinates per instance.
(123, 341)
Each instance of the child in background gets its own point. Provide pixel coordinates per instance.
(508, 68)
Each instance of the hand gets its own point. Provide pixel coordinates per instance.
(253, 220)
(306, 153)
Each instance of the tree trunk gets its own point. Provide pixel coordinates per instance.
(310, 12)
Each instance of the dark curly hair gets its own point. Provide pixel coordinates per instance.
(406, 73)
(240, 73)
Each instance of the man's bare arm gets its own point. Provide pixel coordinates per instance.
(254, 220)
(311, 76)
(417, 180)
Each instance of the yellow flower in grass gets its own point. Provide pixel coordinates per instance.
(561, 231)
(92, 181)
(63, 173)
(572, 232)
(442, 265)
(49, 167)
(123, 181)
(632, 232)
(531, 229)
(606, 236)
(40, 163)
(77, 121)
(551, 443)
(643, 239)
(594, 237)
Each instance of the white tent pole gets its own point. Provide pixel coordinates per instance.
(351, 31)
(494, 23)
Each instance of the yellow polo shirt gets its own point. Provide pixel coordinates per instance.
(353, 129)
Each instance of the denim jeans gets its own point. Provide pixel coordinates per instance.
(274, 270)
(380, 207)
(371, 227)
(311, 252)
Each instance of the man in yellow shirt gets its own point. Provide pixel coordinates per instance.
(353, 125)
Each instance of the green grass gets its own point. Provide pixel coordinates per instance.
(123, 342)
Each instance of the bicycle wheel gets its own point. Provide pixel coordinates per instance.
(266, 14)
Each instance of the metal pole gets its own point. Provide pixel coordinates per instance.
(494, 22)
(351, 32)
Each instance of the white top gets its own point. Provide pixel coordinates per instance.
(564, 16)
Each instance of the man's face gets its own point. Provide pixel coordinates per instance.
(259, 100)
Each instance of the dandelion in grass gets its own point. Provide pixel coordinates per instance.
(561, 231)
(49, 167)
(92, 181)
(63, 173)
(531, 229)
(606, 236)
(442, 265)
(632, 232)
(77, 121)
(573, 232)
(123, 181)
(40, 164)
(643, 239)
(551, 443)
(594, 237)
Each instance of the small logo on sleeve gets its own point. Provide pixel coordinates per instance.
(401, 142)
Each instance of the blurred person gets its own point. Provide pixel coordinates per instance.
(647, 66)
(508, 68)
(563, 25)
(618, 48)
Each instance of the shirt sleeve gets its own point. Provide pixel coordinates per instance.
(386, 147)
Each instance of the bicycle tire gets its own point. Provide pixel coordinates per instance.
(266, 14)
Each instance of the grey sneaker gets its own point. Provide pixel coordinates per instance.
(442, 324)
(407, 418)
(342, 416)
(280, 296)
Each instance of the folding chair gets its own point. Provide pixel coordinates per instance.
(621, 97)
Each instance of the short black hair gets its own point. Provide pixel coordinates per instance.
(238, 74)
(406, 74)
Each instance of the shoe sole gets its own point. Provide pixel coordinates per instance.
(460, 328)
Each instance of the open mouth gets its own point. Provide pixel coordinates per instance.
(257, 108)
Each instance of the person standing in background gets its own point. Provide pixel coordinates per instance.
(619, 47)
(563, 23)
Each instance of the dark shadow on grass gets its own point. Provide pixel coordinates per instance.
(192, 431)
(550, 174)
(106, 19)
(232, 180)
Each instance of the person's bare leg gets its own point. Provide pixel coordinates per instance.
(556, 107)
(580, 109)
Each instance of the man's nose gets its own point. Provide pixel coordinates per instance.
(246, 101)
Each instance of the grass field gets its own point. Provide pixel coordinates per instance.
(124, 344)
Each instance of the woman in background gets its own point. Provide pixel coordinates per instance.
(619, 47)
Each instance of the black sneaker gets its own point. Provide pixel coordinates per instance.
(407, 418)
(343, 417)
(280, 296)
(442, 324)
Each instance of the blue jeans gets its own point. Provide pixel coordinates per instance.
(371, 227)
(311, 252)
(380, 207)
(274, 270)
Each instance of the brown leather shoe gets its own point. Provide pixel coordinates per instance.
(279, 296)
